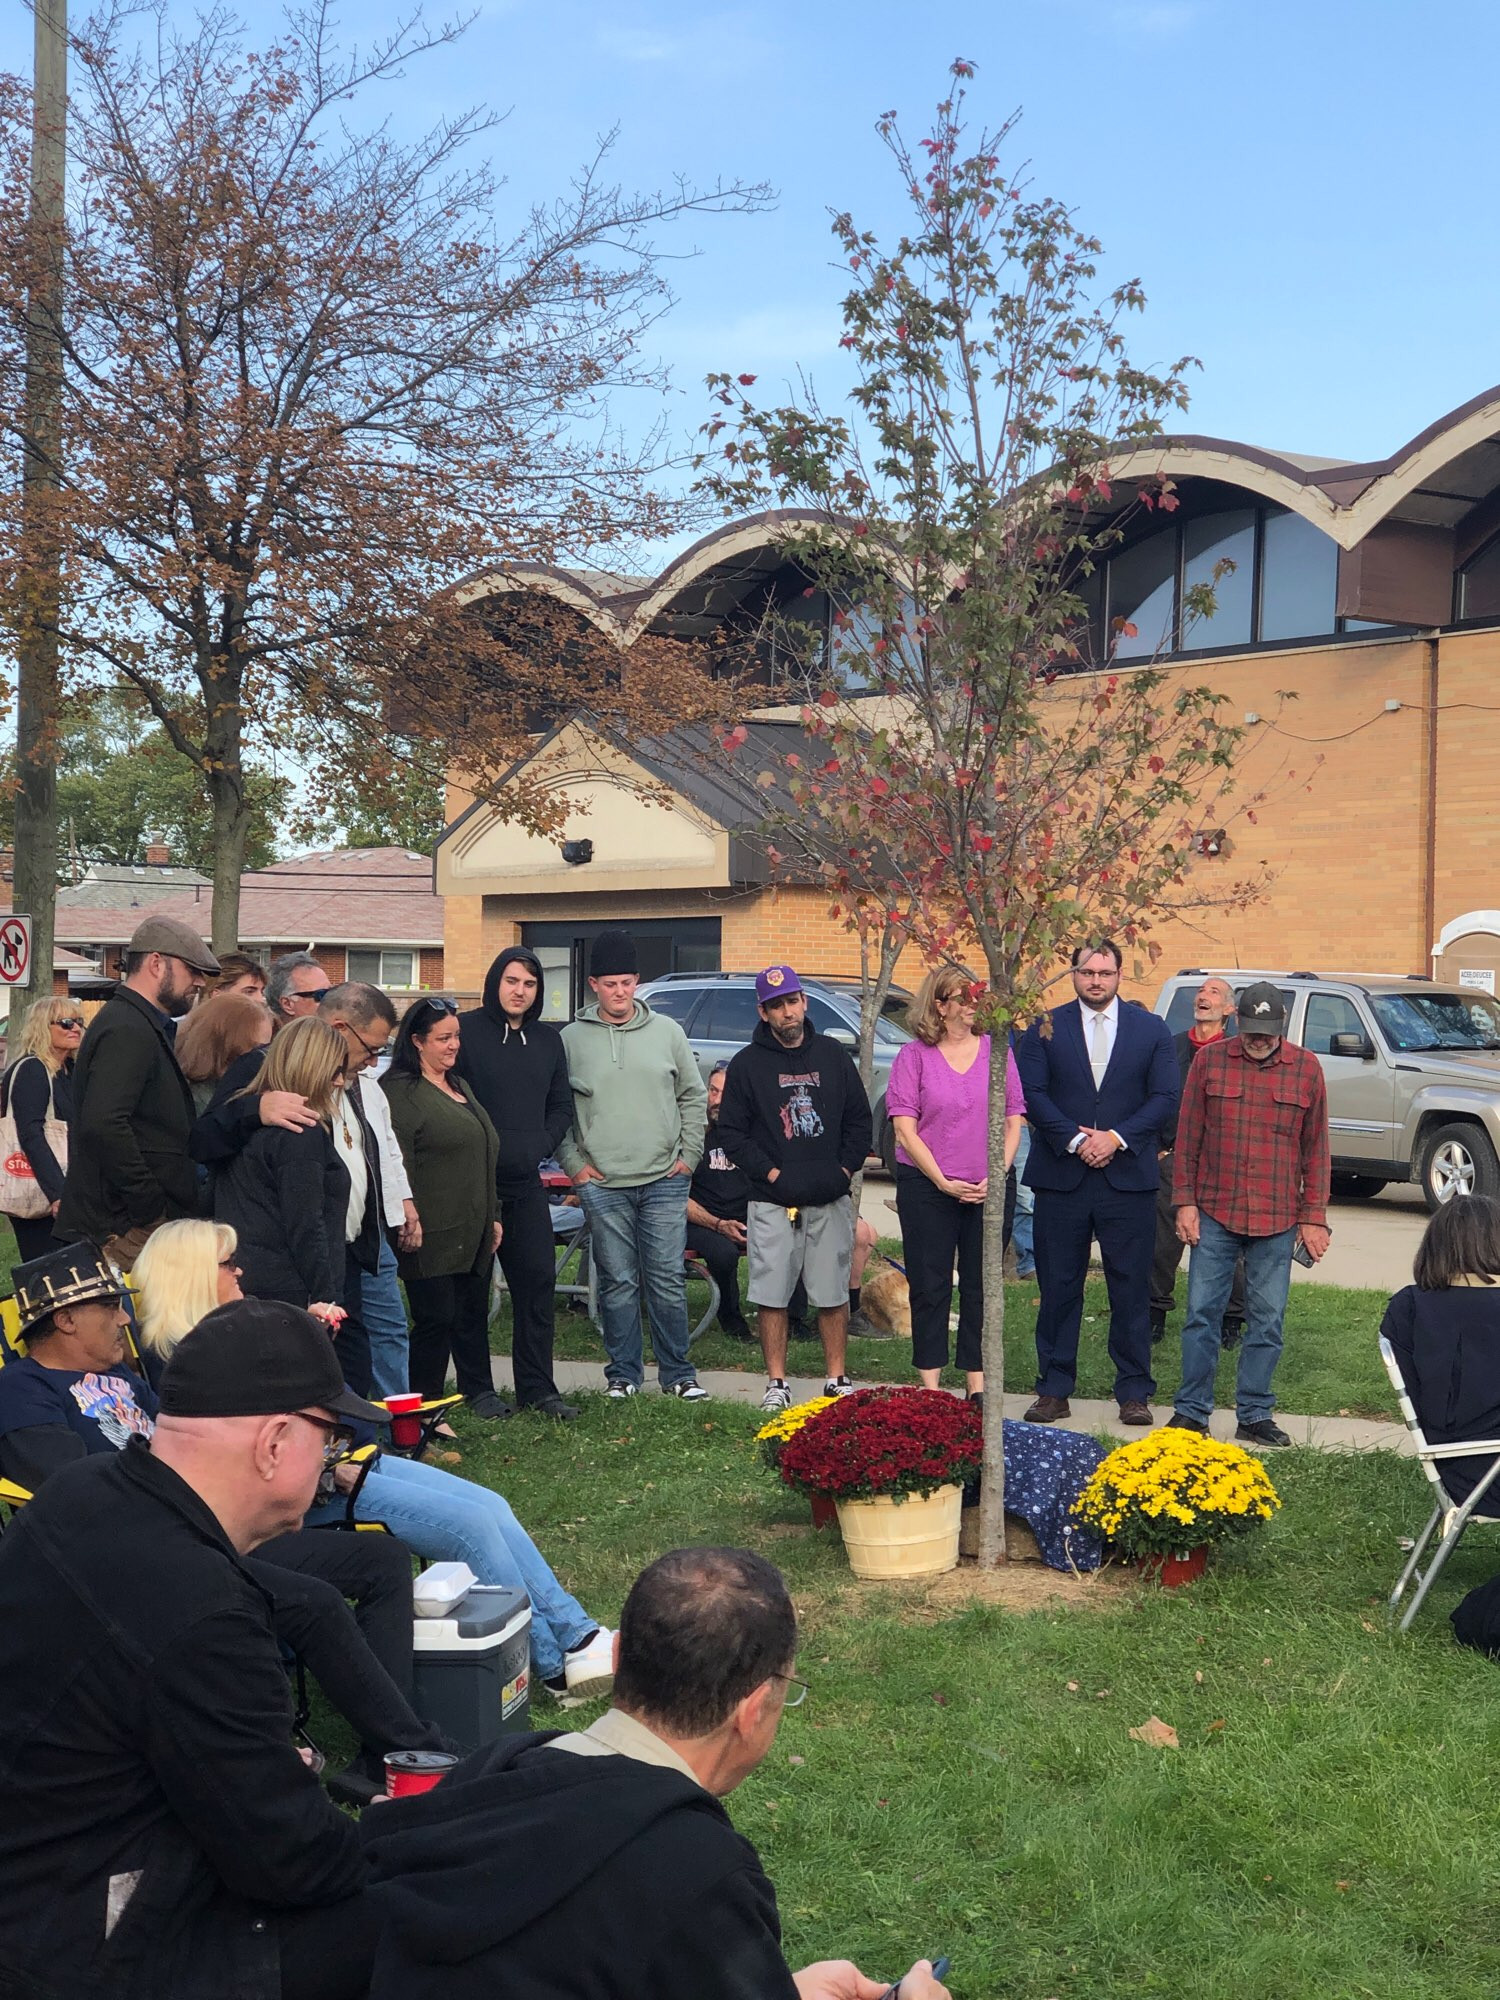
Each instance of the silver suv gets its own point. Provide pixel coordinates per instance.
(1412, 1070)
(718, 1012)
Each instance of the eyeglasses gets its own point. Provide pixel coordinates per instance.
(373, 1050)
(70, 1022)
(228, 1264)
(803, 1690)
(439, 1006)
(313, 993)
(338, 1437)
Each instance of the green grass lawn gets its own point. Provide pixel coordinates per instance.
(1330, 1366)
(1326, 1830)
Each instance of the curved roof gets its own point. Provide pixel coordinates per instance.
(1433, 480)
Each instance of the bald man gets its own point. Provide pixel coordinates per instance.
(1213, 1019)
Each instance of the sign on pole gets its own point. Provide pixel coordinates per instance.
(15, 951)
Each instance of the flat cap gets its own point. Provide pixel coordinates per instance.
(173, 940)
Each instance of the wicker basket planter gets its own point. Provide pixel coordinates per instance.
(916, 1536)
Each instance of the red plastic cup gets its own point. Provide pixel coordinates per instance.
(406, 1426)
(410, 1771)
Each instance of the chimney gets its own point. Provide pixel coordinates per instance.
(158, 854)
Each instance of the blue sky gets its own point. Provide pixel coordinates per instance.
(1306, 190)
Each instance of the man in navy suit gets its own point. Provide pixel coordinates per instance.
(1101, 1085)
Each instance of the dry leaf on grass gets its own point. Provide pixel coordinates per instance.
(1160, 1735)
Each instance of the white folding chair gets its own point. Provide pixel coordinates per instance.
(1453, 1516)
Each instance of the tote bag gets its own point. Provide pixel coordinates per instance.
(21, 1193)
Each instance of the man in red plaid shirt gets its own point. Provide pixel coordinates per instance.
(1251, 1180)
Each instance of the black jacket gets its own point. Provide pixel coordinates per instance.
(519, 1075)
(33, 1096)
(803, 1110)
(128, 1164)
(147, 1728)
(231, 1120)
(541, 1875)
(1184, 1048)
(286, 1196)
(1448, 1345)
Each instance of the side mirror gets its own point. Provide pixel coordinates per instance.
(1359, 1046)
(845, 1037)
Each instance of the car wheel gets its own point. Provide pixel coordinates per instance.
(1458, 1159)
(1355, 1187)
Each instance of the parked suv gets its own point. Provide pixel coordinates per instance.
(1412, 1070)
(718, 1013)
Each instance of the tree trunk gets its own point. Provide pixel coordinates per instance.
(231, 832)
(37, 652)
(992, 1489)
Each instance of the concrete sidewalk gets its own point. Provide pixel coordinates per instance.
(1323, 1433)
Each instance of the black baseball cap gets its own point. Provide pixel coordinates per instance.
(258, 1358)
(1262, 1011)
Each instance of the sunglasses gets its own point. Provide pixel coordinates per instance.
(71, 1021)
(337, 1437)
(440, 1007)
(316, 994)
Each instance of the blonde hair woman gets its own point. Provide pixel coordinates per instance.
(938, 1100)
(286, 1195)
(38, 1085)
(186, 1269)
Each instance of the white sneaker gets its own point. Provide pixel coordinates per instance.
(777, 1397)
(618, 1391)
(838, 1385)
(691, 1391)
(590, 1670)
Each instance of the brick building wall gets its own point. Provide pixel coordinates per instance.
(1341, 828)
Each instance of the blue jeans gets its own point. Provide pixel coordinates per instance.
(1025, 1222)
(447, 1519)
(1268, 1279)
(638, 1239)
(384, 1317)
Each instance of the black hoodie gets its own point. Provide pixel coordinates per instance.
(803, 1110)
(519, 1075)
(539, 1875)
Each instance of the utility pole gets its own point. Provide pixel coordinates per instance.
(35, 888)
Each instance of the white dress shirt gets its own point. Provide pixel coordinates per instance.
(1100, 1026)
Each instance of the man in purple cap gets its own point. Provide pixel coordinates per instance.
(796, 1120)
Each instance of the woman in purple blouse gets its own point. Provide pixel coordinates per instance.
(938, 1099)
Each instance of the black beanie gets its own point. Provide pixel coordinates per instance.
(612, 952)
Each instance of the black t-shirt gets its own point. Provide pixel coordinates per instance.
(719, 1185)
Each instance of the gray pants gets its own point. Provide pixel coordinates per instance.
(818, 1248)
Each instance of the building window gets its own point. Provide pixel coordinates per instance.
(382, 968)
(1216, 538)
(1479, 583)
(1299, 572)
(1281, 585)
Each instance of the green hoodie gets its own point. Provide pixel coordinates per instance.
(639, 1104)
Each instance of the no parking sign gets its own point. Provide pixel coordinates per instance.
(15, 951)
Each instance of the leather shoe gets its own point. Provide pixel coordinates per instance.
(1048, 1410)
(1136, 1413)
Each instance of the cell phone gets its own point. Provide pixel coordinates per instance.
(939, 1971)
(1302, 1255)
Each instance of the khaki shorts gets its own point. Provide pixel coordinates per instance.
(818, 1248)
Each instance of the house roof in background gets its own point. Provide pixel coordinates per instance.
(120, 885)
(337, 896)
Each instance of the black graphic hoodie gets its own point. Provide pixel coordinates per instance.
(519, 1075)
(802, 1110)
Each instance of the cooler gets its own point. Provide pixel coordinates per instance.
(473, 1666)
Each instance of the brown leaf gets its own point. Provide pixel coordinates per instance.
(1341, 1887)
(1198, 1677)
(941, 1700)
(1072, 1687)
(1158, 1734)
(1214, 1727)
